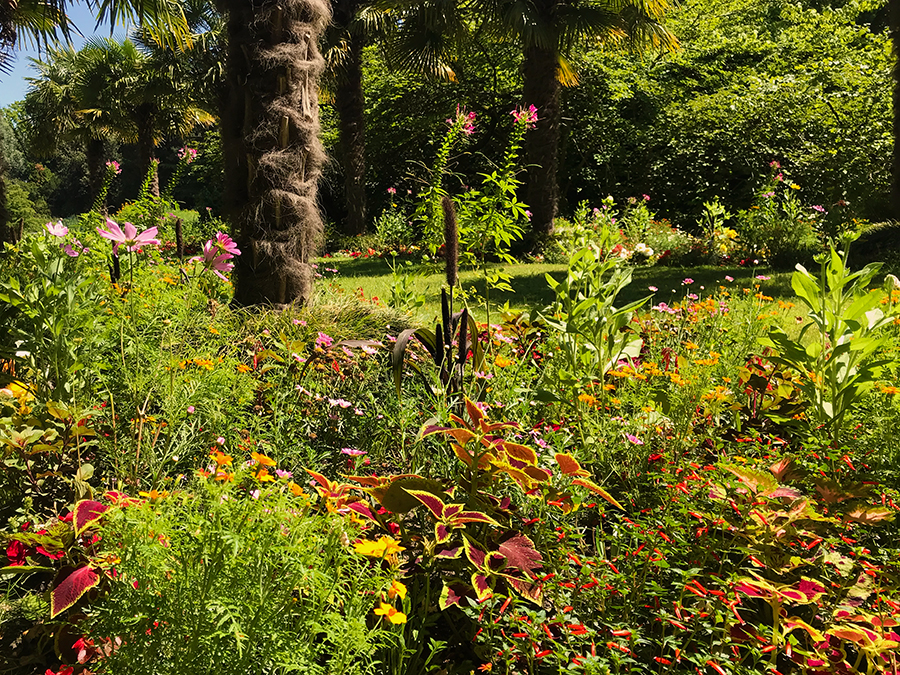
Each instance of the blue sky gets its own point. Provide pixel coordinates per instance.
(13, 84)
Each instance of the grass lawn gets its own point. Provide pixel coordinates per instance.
(373, 276)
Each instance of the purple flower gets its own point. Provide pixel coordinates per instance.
(57, 229)
(128, 237)
(75, 249)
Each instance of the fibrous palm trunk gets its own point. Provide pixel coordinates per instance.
(541, 89)
(350, 105)
(270, 137)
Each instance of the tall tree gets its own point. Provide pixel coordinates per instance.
(270, 141)
(894, 30)
(548, 31)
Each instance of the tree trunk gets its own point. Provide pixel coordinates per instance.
(894, 28)
(541, 89)
(350, 105)
(147, 153)
(94, 151)
(273, 154)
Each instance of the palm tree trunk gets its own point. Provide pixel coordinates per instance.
(273, 153)
(894, 29)
(350, 105)
(541, 89)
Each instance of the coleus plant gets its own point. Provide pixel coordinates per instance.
(473, 543)
(69, 540)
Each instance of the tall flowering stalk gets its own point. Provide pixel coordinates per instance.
(429, 211)
(186, 156)
(113, 169)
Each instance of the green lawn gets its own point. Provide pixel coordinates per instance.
(374, 277)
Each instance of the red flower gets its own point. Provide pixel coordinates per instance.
(17, 553)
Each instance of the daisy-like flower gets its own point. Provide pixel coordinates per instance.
(128, 236)
(391, 614)
(213, 259)
(57, 229)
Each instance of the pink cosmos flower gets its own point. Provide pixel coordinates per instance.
(75, 249)
(353, 452)
(128, 237)
(687, 282)
(57, 229)
(226, 244)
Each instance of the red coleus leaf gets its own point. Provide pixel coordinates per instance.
(432, 502)
(593, 487)
(449, 553)
(521, 554)
(69, 586)
(362, 509)
(453, 594)
(754, 589)
(812, 589)
(521, 452)
(855, 635)
(481, 586)
(87, 512)
(569, 465)
(442, 533)
(475, 555)
(472, 517)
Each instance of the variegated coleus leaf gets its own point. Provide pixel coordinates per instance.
(432, 502)
(87, 512)
(454, 593)
(481, 585)
(569, 465)
(69, 586)
(596, 489)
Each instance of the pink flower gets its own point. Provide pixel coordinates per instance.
(653, 288)
(216, 256)
(646, 198)
(324, 340)
(220, 440)
(729, 278)
(190, 410)
(75, 249)
(634, 439)
(528, 214)
(687, 282)
(339, 402)
(283, 474)
(762, 277)
(57, 229)
(128, 237)
(353, 452)
(187, 154)
(529, 117)
(226, 244)
(114, 167)
(392, 190)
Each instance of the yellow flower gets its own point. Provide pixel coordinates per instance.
(587, 399)
(502, 362)
(153, 495)
(397, 588)
(221, 458)
(243, 368)
(296, 490)
(890, 390)
(690, 345)
(393, 615)
(262, 460)
(263, 476)
(378, 549)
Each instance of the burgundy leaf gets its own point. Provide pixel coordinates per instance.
(431, 501)
(520, 553)
(87, 512)
(474, 554)
(474, 517)
(452, 594)
(480, 584)
(442, 533)
(69, 587)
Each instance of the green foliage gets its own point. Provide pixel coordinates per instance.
(234, 576)
(836, 362)
(48, 306)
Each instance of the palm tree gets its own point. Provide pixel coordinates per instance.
(271, 146)
(548, 31)
(54, 107)
(416, 37)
